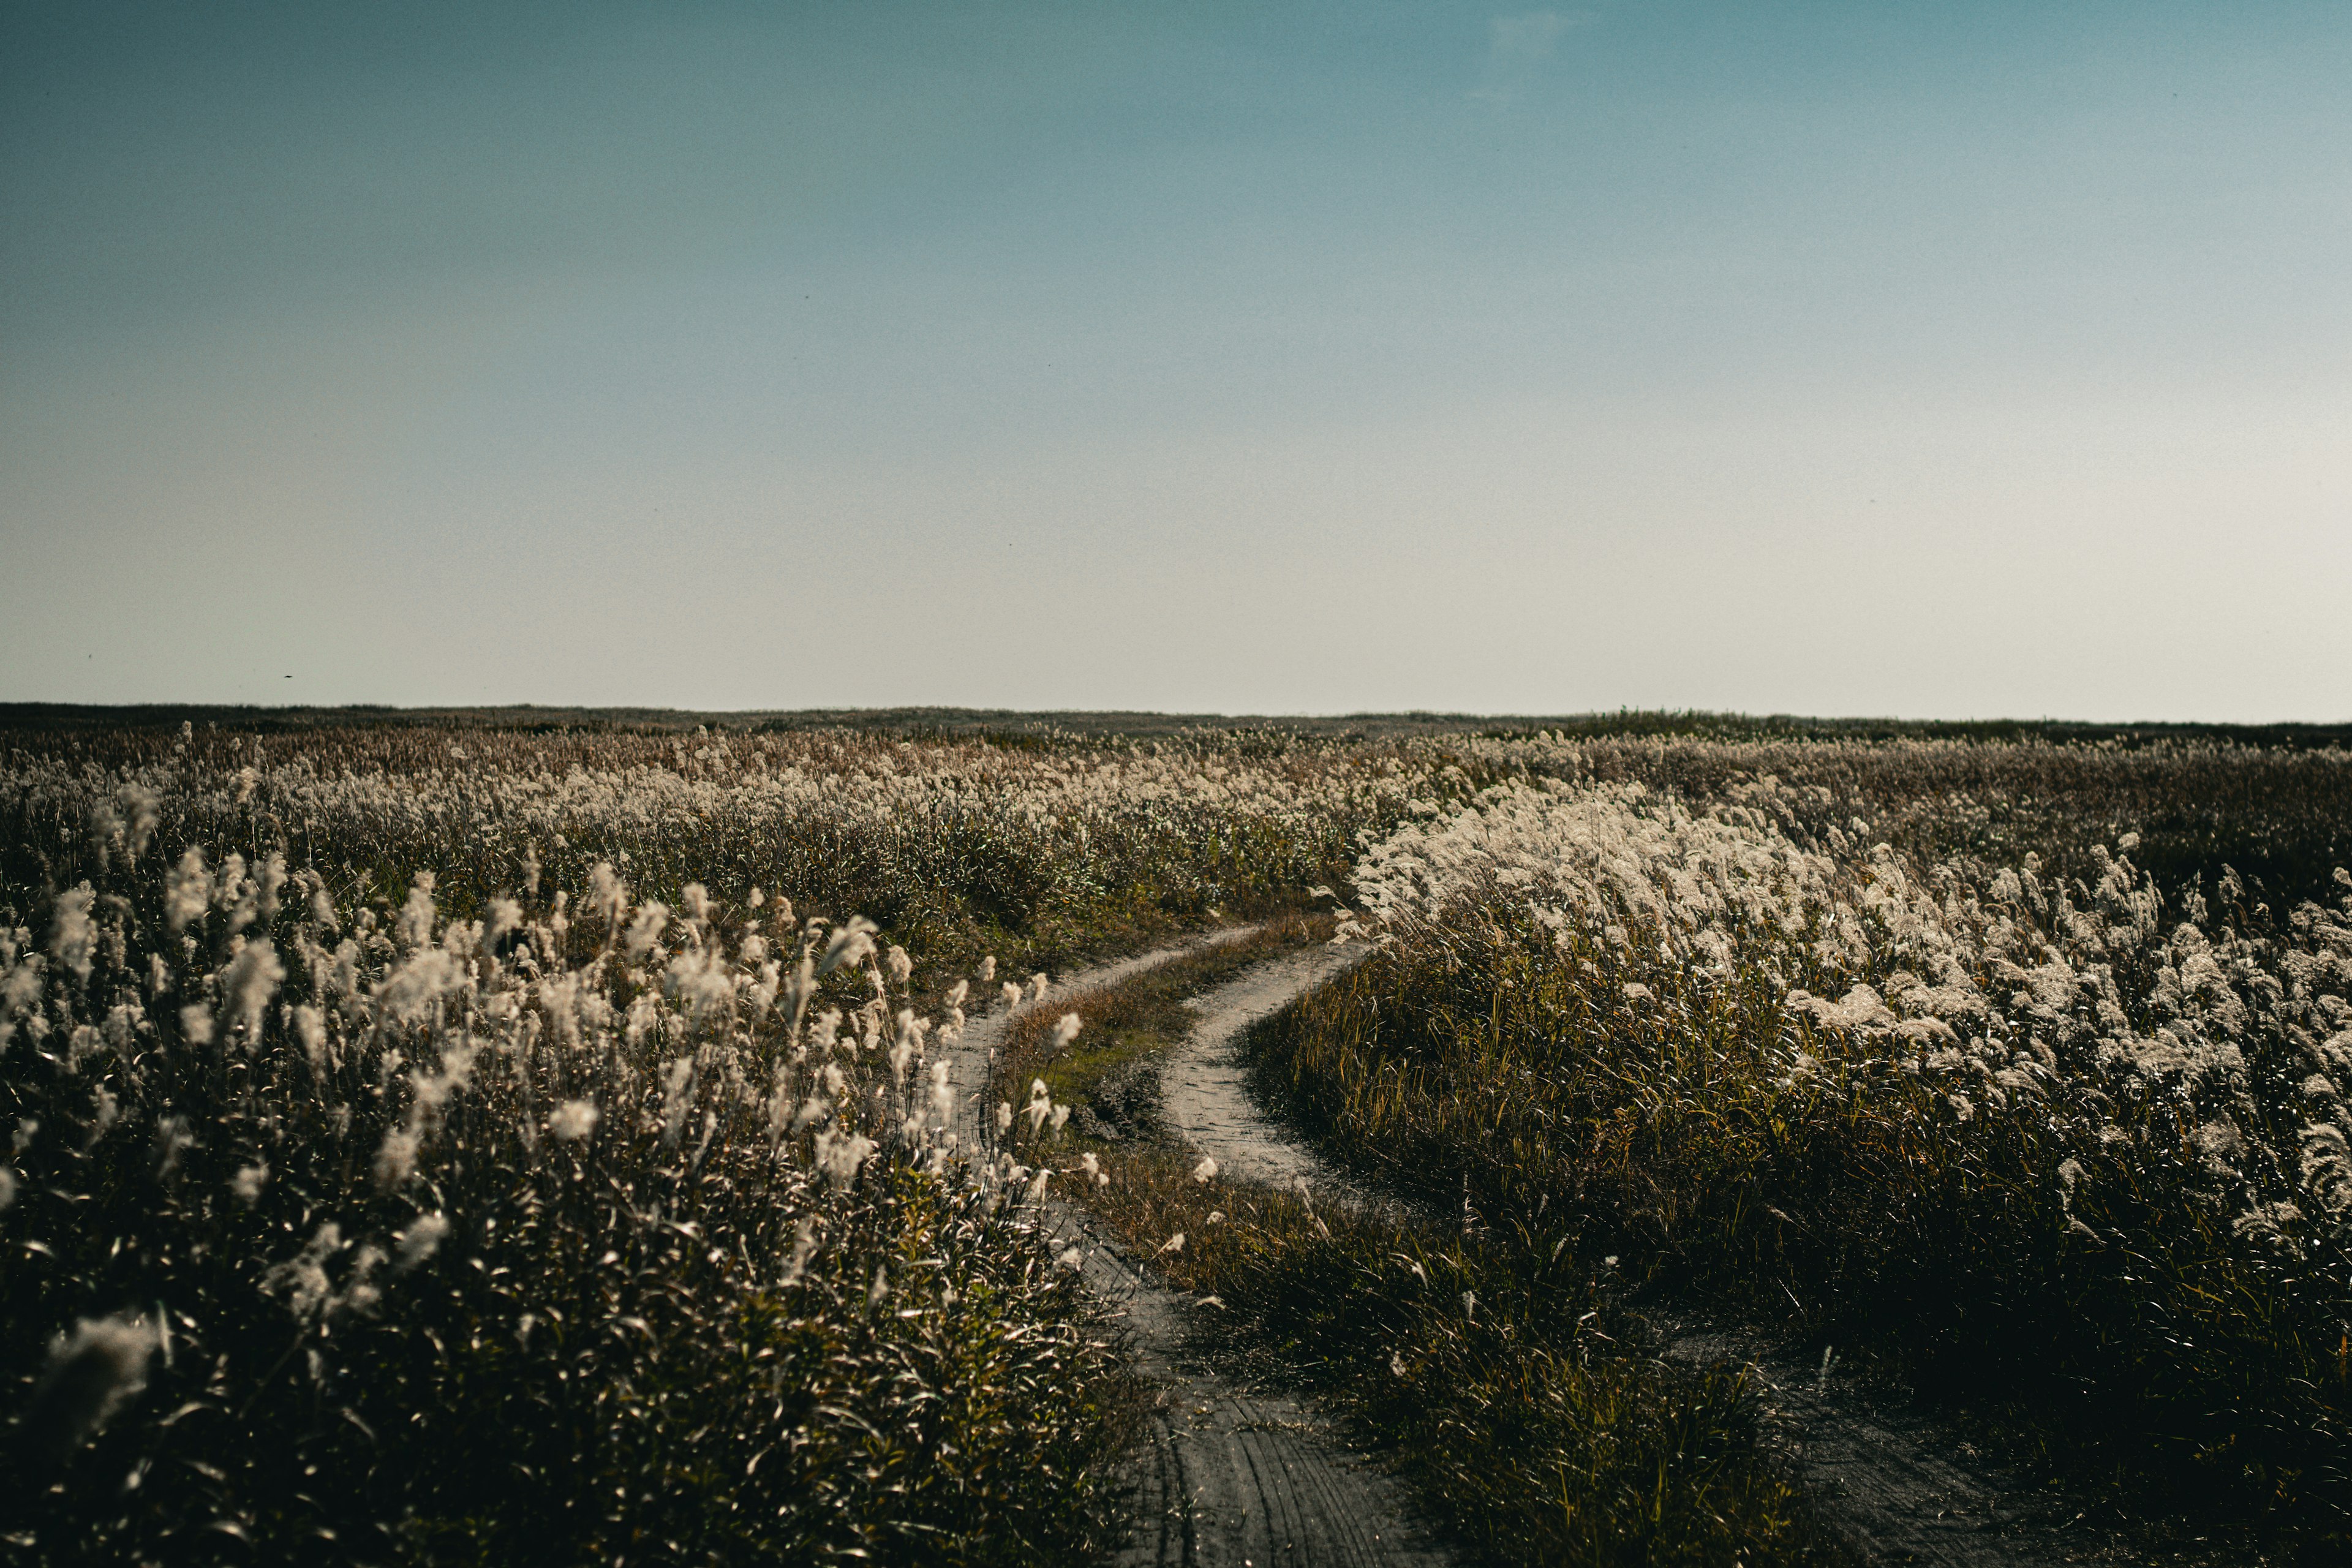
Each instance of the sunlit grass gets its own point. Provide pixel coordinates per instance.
(533, 1210)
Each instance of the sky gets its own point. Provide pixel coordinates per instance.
(1953, 360)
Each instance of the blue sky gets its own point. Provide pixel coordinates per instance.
(1945, 361)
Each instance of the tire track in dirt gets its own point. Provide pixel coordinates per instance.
(1899, 1488)
(1232, 1475)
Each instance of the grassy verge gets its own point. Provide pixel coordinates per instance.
(1495, 1372)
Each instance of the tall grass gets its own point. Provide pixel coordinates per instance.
(2070, 1149)
(448, 1146)
(2280, 816)
(425, 1242)
(562, 1202)
(957, 846)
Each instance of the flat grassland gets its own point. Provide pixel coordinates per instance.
(506, 1136)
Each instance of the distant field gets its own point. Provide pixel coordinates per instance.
(56, 717)
(467, 1136)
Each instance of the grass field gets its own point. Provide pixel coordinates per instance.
(2066, 1152)
(438, 1142)
(430, 1142)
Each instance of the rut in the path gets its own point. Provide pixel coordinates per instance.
(1901, 1489)
(1232, 1474)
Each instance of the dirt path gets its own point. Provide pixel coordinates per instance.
(1236, 1474)
(1203, 1086)
(1902, 1491)
(1233, 1476)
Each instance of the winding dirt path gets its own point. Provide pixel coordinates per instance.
(1236, 1475)
(1203, 1084)
(1900, 1491)
(1232, 1475)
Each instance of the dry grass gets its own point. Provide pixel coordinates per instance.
(2104, 1218)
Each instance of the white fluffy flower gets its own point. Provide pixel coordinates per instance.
(421, 1240)
(573, 1120)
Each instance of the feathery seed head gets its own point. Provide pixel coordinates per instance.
(420, 1241)
(92, 1372)
(573, 1121)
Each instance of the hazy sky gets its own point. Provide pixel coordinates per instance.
(1948, 359)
